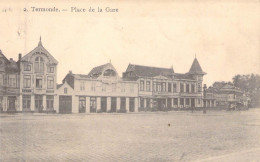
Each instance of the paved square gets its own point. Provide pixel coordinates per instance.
(159, 136)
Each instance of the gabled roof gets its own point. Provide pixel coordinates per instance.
(196, 68)
(98, 70)
(2, 55)
(40, 48)
(149, 71)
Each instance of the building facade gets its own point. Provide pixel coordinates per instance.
(101, 90)
(9, 84)
(38, 78)
(163, 89)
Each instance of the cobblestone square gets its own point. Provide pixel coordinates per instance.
(158, 136)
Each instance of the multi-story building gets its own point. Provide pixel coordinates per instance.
(101, 90)
(162, 88)
(38, 77)
(9, 84)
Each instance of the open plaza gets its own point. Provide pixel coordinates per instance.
(150, 136)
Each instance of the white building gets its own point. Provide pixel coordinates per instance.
(102, 90)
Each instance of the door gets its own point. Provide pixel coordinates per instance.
(103, 104)
(11, 102)
(113, 104)
(192, 102)
(65, 104)
(38, 103)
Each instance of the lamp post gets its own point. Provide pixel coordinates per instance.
(204, 99)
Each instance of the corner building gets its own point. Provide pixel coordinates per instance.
(38, 77)
(101, 90)
(163, 89)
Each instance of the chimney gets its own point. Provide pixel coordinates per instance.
(11, 59)
(70, 72)
(19, 57)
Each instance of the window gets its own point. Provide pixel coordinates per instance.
(187, 101)
(39, 65)
(65, 90)
(26, 102)
(159, 87)
(199, 87)
(148, 86)
(1, 102)
(187, 88)
(141, 85)
(27, 81)
(174, 87)
(82, 104)
(163, 87)
(50, 82)
(154, 86)
(38, 82)
(27, 67)
(148, 102)
(50, 69)
(93, 104)
(181, 87)
(82, 86)
(49, 102)
(11, 81)
(1, 79)
(141, 102)
(193, 88)
(169, 87)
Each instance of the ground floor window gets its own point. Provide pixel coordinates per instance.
(93, 104)
(82, 104)
(38, 103)
(1, 103)
(169, 102)
(187, 101)
(148, 102)
(113, 104)
(123, 103)
(175, 101)
(26, 102)
(141, 102)
(131, 104)
(182, 101)
(50, 102)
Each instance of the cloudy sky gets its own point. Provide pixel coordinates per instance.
(225, 36)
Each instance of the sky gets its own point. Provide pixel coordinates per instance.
(224, 35)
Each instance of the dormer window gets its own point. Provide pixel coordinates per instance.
(39, 65)
(109, 72)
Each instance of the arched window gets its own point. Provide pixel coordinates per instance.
(39, 65)
(109, 72)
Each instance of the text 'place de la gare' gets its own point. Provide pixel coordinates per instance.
(30, 85)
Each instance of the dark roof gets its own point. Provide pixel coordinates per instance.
(12, 66)
(97, 71)
(149, 71)
(183, 76)
(195, 68)
(3, 56)
(59, 85)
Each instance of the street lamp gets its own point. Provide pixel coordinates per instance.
(204, 99)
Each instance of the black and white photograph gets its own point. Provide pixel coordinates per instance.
(135, 81)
